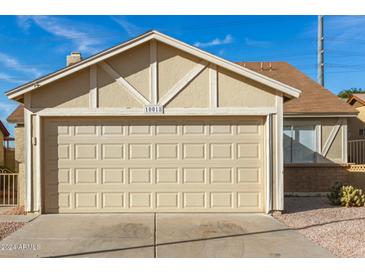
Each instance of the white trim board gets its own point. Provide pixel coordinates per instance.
(175, 90)
(124, 83)
(213, 76)
(279, 154)
(269, 163)
(140, 111)
(153, 71)
(28, 156)
(19, 91)
(93, 86)
(314, 116)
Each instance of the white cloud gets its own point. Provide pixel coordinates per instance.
(12, 63)
(7, 107)
(81, 35)
(341, 29)
(10, 79)
(24, 22)
(215, 42)
(130, 28)
(257, 43)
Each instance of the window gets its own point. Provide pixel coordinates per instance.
(299, 144)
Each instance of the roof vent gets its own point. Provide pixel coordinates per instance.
(73, 58)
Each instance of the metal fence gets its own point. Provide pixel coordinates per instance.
(8, 188)
(356, 151)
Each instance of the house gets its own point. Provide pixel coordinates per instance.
(6, 151)
(4, 134)
(175, 130)
(157, 125)
(356, 126)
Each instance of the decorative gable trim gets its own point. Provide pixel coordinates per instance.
(18, 92)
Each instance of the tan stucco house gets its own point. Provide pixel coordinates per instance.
(356, 125)
(7, 151)
(157, 125)
(4, 138)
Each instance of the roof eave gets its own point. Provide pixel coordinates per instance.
(320, 114)
(18, 92)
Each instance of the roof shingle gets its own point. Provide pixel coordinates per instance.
(314, 99)
(17, 116)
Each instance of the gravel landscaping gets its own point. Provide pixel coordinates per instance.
(6, 228)
(338, 229)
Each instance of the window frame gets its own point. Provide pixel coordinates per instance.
(317, 138)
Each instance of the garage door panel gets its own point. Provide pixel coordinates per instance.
(167, 151)
(113, 200)
(140, 200)
(162, 165)
(140, 151)
(87, 200)
(248, 175)
(113, 175)
(112, 151)
(221, 129)
(86, 129)
(221, 200)
(166, 175)
(113, 129)
(248, 151)
(167, 130)
(222, 175)
(170, 200)
(249, 200)
(140, 129)
(86, 176)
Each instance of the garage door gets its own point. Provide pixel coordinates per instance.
(154, 165)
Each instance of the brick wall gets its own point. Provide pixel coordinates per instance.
(314, 178)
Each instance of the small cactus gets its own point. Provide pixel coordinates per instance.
(351, 196)
(347, 196)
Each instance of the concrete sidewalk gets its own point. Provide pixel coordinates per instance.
(19, 218)
(160, 235)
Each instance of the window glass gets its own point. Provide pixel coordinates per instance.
(303, 144)
(287, 144)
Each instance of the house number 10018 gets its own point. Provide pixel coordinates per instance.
(153, 109)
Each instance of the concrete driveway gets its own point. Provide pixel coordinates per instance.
(163, 235)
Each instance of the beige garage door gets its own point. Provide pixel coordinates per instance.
(154, 165)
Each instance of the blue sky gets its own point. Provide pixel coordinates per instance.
(33, 46)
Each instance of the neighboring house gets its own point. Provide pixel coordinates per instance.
(4, 134)
(356, 125)
(156, 125)
(6, 151)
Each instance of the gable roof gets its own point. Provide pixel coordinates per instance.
(359, 97)
(314, 99)
(17, 116)
(4, 130)
(17, 92)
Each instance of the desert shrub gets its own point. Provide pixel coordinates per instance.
(346, 196)
(351, 196)
(335, 195)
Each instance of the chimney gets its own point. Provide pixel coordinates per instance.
(73, 58)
